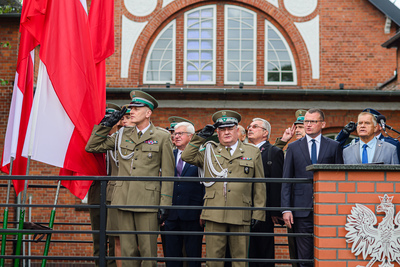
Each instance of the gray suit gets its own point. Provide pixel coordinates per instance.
(384, 152)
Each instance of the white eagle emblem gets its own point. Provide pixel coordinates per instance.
(382, 243)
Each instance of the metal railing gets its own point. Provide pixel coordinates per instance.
(103, 211)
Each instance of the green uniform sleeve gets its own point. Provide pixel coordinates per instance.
(279, 143)
(167, 170)
(99, 141)
(191, 154)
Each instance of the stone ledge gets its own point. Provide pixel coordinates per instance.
(353, 167)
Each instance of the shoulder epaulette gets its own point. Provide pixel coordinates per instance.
(250, 144)
(211, 142)
(161, 128)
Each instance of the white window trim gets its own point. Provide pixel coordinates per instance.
(214, 8)
(145, 81)
(267, 23)
(226, 47)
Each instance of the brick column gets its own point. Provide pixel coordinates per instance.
(337, 188)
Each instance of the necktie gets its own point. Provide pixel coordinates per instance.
(139, 134)
(179, 166)
(229, 150)
(364, 154)
(313, 152)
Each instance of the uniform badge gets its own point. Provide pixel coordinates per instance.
(246, 170)
(150, 155)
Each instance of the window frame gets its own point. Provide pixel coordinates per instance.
(145, 80)
(226, 7)
(185, 48)
(266, 40)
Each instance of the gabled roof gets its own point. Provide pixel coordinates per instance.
(390, 8)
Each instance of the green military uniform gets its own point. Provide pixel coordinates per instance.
(112, 165)
(139, 157)
(94, 199)
(244, 163)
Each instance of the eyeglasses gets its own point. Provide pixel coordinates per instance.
(311, 122)
(179, 134)
(255, 126)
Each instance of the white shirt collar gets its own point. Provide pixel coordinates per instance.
(317, 139)
(261, 144)
(233, 147)
(144, 130)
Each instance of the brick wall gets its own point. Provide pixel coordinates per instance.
(335, 193)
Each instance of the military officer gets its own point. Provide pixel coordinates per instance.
(229, 158)
(112, 169)
(143, 150)
(94, 199)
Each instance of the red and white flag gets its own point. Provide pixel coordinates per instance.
(68, 100)
(21, 104)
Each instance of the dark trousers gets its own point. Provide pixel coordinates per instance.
(262, 246)
(174, 243)
(305, 245)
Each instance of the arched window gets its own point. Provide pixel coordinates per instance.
(197, 54)
(279, 63)
(160, 63)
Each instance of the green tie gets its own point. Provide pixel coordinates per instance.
(139, 134)
(229, 150)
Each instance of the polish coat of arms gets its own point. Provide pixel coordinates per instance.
(381, 242)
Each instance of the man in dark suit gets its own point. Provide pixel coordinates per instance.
(263, 247)
(311, 149)
(187, 194)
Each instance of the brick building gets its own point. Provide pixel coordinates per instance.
(262, 58)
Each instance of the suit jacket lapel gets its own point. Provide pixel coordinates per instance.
(263, 148)
(239, 151)
(132, 134)
(221, 150)
(322, 149)
(146, 136)
(378, 150)
(357, 153)
(304, 149)
(185, 168)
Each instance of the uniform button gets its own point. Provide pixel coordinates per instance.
(230, 171)
(230, 162)
(137, 149)
(229, 190)
(135, 158)
(134, 168)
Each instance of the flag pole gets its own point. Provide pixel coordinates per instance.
(22, 217)
(5, 217)
(35, 108)
(52, 216)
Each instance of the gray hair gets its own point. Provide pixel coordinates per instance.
(265, 124)
(368, 113)
(189, 126)
(242, 129)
